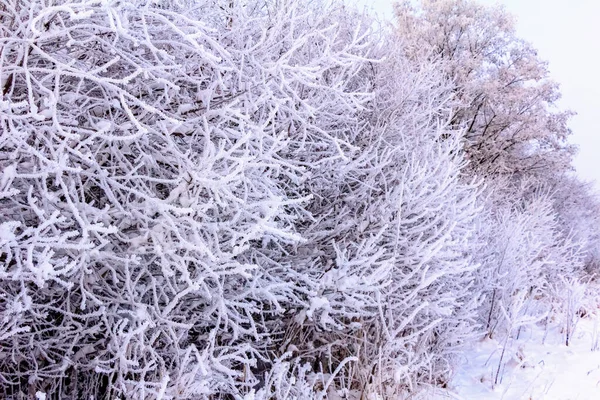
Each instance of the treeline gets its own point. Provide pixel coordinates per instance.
(275, 199)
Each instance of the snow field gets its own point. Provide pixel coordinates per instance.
(537, 365)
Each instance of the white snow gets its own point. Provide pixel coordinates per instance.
(7, 231)
(533, 368)
(315, 304)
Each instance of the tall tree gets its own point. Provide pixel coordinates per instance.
(505, 100)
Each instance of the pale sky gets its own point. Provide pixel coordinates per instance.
(567, 35)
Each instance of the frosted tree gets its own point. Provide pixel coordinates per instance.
(505, 99)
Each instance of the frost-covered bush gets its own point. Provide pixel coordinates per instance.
(389, 240)
(146, 157)
(577, 206)
(524, 264)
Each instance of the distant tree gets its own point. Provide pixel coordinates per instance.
(505, 100)
(578, 208)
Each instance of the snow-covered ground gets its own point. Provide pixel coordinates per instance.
(536, 366)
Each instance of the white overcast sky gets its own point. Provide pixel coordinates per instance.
(567, 35)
